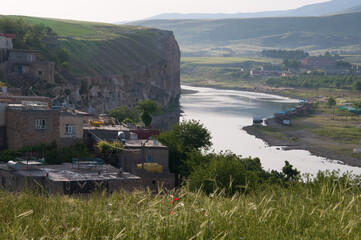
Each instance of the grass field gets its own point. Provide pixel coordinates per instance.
(323, 210)
(226, 72)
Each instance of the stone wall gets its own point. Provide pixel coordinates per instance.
(76, 121)
(21, 131)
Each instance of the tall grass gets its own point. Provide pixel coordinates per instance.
(323, 210)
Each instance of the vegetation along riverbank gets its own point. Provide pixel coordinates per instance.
(328, 132)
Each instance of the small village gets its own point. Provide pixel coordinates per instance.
(326, 65)
(141, 163)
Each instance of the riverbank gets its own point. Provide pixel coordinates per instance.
(327, 132)
(330, 140)
(294, 93)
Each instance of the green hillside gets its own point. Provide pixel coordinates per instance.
(310, 33)
(100, 48)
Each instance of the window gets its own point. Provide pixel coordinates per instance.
(40, 73)
(149, 158)
(69, 129)
(40, 124)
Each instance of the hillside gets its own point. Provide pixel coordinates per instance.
(103, 49)
(253, 34)
(318, 9)
(111, 65)
(352, 9)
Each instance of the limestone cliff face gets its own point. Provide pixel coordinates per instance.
(159, 81)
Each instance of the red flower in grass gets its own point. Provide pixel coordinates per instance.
(171, 212)
(171, 202)
(176, 199)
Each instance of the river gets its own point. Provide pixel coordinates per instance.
(225, 112)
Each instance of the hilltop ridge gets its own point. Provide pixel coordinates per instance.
(317, 9)
(254, 34)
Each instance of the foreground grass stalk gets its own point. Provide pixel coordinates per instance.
(327, 210)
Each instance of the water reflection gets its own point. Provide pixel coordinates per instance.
(226, 112)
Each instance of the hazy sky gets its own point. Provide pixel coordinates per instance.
(127, 10)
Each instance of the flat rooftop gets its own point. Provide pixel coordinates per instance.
(140, 142)
(69, 172)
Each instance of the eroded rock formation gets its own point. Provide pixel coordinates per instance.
(159, 81)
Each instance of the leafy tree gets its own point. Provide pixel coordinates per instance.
(343, 64)
(185, 138)
(284, 54)
(107, 149)
(63, 55)
(290, 172)
(293, 63)
(232, 173)
(331, 102)
(2, 84)
(358, 85)
(123, 112)
(27, 36)
(226, 171)
(146, 109)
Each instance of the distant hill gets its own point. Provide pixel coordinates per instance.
(310, 33)
(353, 9)
(318, 9)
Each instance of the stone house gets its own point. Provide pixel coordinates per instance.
(5, 100)
(22, 61)
(33, 124)
(147, 151)
(5, 43)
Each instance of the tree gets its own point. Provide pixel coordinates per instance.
(358, 85)
(331, 102)
(2, 84)
(343, 64)
(147, 108)
(63, 55)
(290, 172)
(293, 63)
(122, 113)
(185, 138)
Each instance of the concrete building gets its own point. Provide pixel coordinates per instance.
(67, 179)
(31, 123)
(6, 40)
(5, 44)
(137, 152)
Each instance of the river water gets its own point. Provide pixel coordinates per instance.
(225, 112)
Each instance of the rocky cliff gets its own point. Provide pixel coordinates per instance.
(159, 81)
